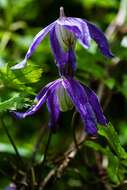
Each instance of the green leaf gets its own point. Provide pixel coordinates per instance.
(30, 74)
(4, 147)
(115, 170)
(113, 167)
(20, 79)
(15, 101)
(95, 146)
(123, 87)
(113, 139)
(110, 82)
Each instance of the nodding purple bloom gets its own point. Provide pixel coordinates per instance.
(61, 95)
(64, 32)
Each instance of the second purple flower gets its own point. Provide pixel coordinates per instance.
(61, 95)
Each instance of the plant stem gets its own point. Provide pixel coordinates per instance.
(11, 141)
(38, 143)
(47, 147)
(74, 130)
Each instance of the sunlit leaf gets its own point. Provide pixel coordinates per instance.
(13, 102)
(4, 147)
(113, 139)
(110, 82)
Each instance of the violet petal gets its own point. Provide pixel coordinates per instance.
(93, 99)
(36, 41)
(100, 39)
(80, 100)
(78, 28)
(40, 101)
(53, 108)
(66, 60)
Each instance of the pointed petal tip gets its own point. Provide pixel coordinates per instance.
(53, 127)
(102, 120)
(92, 132)
(91, 127)
(19, 65)
(111, 55)
(17, 115)
(107, 53)
(100, 38)
(105, 122)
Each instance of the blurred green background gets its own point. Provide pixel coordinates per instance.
(20, 20)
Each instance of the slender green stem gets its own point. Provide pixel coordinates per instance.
(33, 178)
(74, 129)
(11, 141)
(76, 143)
(38, 143)
(47, 147)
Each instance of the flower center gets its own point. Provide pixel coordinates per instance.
(65, 103)
(65, 38)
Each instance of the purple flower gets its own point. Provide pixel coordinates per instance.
(12, 186)
(61, 95)
(64, 32)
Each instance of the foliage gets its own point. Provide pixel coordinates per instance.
(99, 163)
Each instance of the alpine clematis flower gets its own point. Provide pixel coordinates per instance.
(61, 95)
(64, 32)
